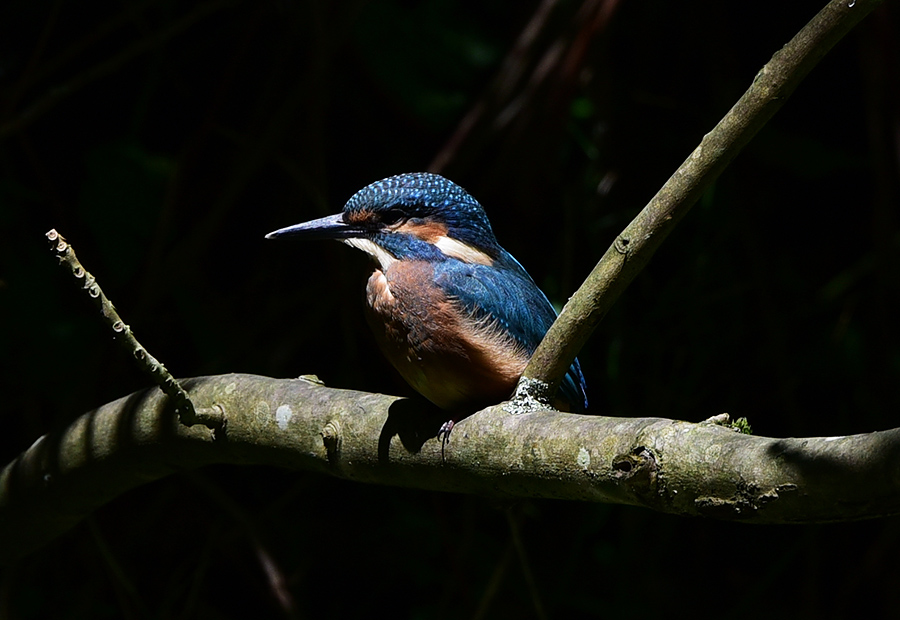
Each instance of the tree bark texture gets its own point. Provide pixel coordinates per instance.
(671, 466)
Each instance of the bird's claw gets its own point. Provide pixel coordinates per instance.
(444, 435)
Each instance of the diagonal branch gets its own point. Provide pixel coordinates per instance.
(634, 247)
(677, 467)
(122, 333)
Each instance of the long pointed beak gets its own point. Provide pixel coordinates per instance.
(331, 227)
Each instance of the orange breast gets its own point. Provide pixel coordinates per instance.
(454, 360)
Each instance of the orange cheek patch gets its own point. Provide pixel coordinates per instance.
(425, 230)
(436, 233)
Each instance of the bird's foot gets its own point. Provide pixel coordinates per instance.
(444, 435)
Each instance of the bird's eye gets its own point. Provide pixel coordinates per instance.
(392, 216)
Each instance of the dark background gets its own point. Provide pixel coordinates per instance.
(164, 139)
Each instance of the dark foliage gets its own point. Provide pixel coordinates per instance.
(164, 139)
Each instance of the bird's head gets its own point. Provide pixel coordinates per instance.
(406, 217)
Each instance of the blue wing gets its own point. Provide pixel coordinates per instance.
(510, 297)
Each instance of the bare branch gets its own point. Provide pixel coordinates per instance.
(634, 247)
(124, 336)
(677, 467)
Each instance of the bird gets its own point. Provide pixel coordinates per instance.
(453, 312)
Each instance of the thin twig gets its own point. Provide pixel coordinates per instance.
(123, 335)
(634, 247)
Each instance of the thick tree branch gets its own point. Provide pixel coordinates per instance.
(634, 247)
(670, 466)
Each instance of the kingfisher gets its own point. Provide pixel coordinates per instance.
(454, 312)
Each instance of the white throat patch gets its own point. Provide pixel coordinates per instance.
(461, 251)
(385, 259)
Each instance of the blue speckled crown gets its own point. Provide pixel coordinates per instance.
(423, 194)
